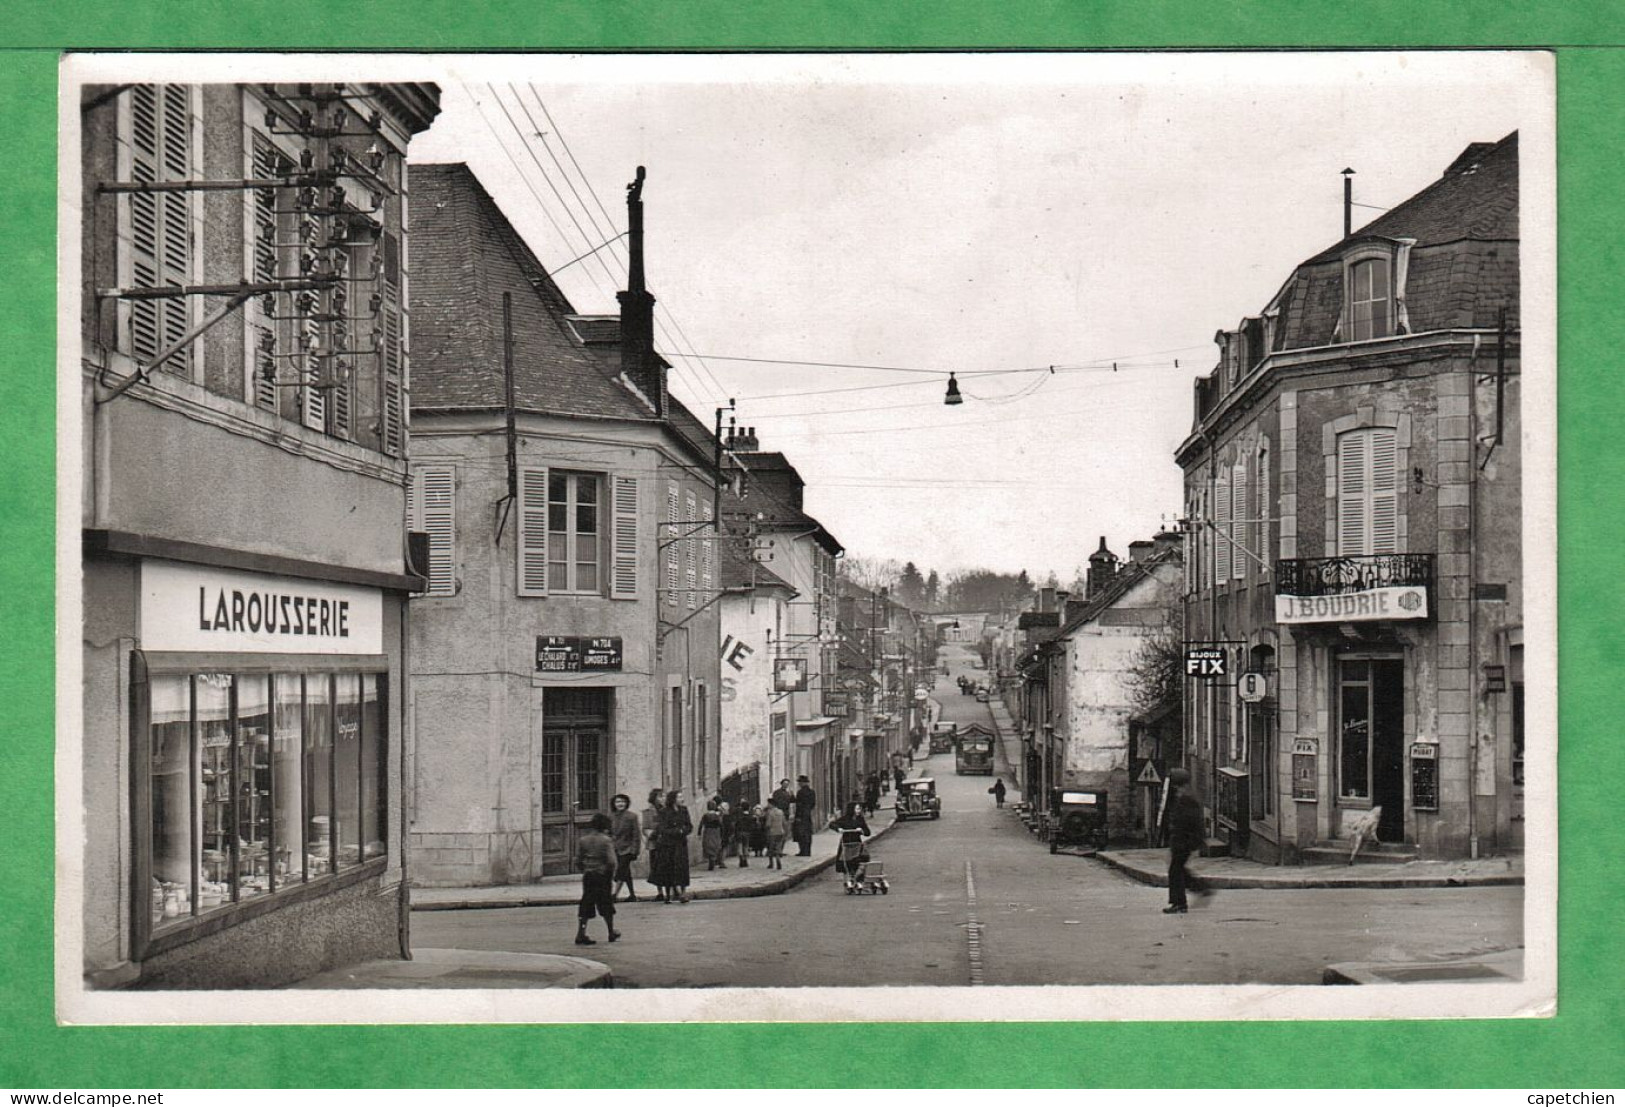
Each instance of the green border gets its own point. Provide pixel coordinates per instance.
(1571, 1051)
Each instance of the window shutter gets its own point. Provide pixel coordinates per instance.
(160, 223)
(708, 553)
(1241, 528)
(691, 570)
(1384, 491)
(1265, 510)
(433, 499)
(1352, 495)
(532, 544)
(623, 576)
(671, 544)
(1221, 524)
(390, 344)
(262, 254)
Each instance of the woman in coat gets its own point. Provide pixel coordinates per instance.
(650, 825)
(626, 832)
(854, 828)
(670, 859)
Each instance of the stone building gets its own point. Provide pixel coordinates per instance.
(566, 649)
(245, 281)
(1353, 481)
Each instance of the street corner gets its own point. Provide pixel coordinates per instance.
(465, 969)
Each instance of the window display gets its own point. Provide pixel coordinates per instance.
(259, 782)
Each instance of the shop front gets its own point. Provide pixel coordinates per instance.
(260, 812)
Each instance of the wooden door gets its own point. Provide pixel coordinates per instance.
(574, 780)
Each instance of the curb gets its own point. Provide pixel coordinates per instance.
(774, 887)
(1158, 880)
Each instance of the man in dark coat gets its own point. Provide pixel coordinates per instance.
(1186, 832)
(802, 827)
(783, 798)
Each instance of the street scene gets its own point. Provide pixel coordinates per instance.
(824, 522)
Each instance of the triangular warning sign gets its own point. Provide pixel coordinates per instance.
(1148, 775)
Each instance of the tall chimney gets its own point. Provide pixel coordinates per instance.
(1348, 202)
(638, 361)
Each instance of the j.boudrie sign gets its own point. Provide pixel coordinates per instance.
(192, 608)
(1409, 602)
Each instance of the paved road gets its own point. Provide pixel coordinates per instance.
(1043, 920)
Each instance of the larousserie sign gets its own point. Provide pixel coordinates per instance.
(199, 608)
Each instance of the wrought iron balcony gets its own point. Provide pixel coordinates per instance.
(1337, 576)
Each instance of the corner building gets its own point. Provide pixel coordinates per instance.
(245, 277)
(567, 646)
(1353, 484)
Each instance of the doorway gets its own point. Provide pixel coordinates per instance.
(573, 783)
(1371, 739)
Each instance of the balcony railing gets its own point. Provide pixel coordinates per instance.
(1337, 576)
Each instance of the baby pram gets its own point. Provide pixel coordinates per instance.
(862, 873)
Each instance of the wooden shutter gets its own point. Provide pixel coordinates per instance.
(262, 256)
(1353, 494)
(691, 568)
(160, 223)
(1265, 510)
(431, 507)
(671, 544)
(1222, 527)
(1384, 491)
(623, 573)
(708, 554)
(1241, 527)
(390, 344)
(532, 544)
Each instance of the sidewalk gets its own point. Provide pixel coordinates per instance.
(1151, 867)
(729, 882)
(467, 968)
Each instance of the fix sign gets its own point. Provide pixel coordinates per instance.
(1205, 661)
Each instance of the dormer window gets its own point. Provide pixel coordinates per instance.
(1370, 299)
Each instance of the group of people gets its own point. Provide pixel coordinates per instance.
(606, 851)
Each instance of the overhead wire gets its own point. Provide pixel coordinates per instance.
(660, 307)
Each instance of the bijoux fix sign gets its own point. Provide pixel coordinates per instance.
(1354, 607)
(195, 608)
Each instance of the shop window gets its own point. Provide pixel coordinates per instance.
(288, 779)
(318, 775)
(243, 775)
(347, 769)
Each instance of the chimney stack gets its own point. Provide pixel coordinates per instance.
(1140, 550)
(639, 363)
(1046, 599)
(1348, 202)
(1169, 540)
(1102, 570)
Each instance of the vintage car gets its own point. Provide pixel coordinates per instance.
(942, 737)
(917, 799)
(1077, 818)
(982, 694)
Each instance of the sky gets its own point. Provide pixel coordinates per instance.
(1028, 221)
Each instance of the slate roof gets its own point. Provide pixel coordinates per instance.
(773, 489)
(1129, 575)
(465, 255)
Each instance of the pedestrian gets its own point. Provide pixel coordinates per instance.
(1185, 834)
(739, 833)
(711, 835)
(900, 774)
(998, 792)
(854, 829)
(671, 848)
(776, 828)
(595, 857)
(758, 830)
(782, 797)
(871, 794)
(626, 832)
(650, 820)
(806, 802)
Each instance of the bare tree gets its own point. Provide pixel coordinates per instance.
(873, 573)
(1157, 674)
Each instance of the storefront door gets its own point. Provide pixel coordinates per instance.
(574, 778)
(1371, 740)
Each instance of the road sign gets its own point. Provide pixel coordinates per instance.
(567, 653)
(1149, 775)
(1207, 662)
(1252, 687)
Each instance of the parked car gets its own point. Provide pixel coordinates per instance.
(981, 695)
(942, 737)
(1077, 818)
(917, 799)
